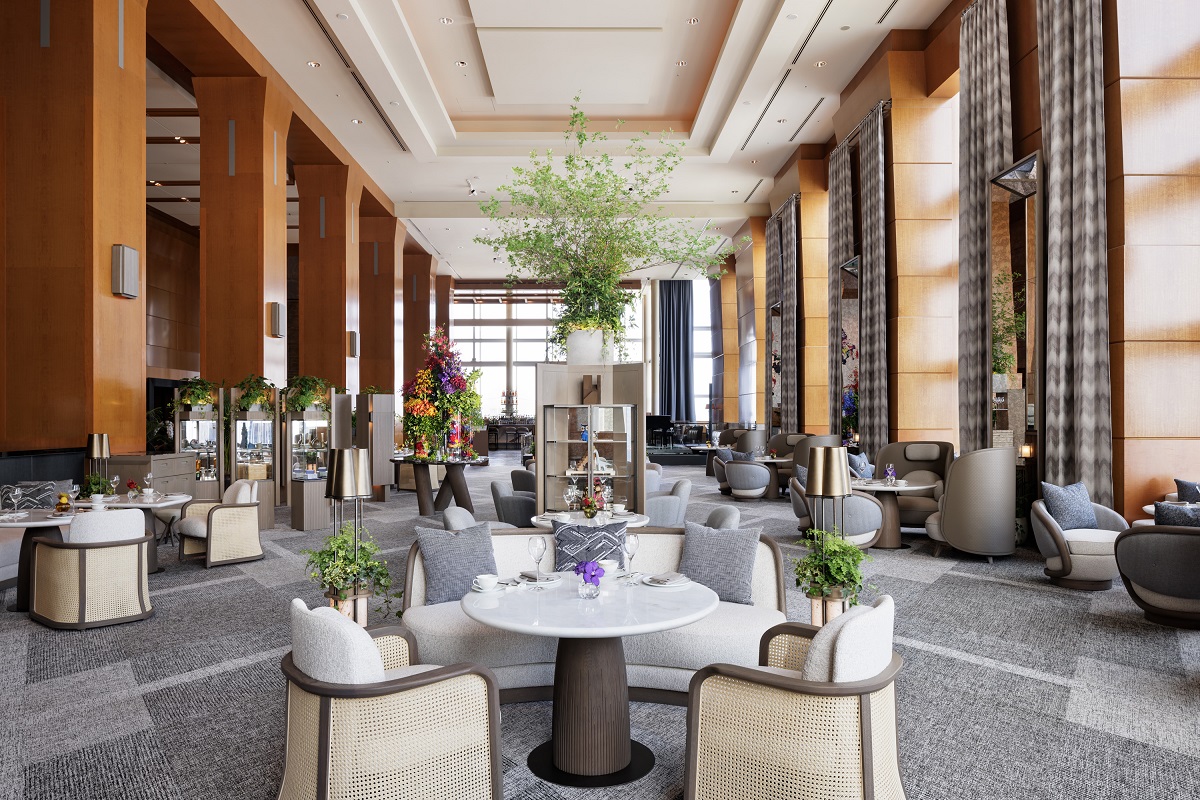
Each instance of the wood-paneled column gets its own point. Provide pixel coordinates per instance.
(420, 277)
(1152, 109)
(445, 301)
(381, 304)
(814, 293)
(751, 271)
(328, 308)
(243, 226)
(73, 177)
(725, 350)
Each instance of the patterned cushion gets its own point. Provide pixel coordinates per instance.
(1071, 506)
(801, 474)
(742, 456)
(453, 559)
(1188, 492)
(34, 494)
(724, 453)
(861, 465)
(722, 559)
(1167, 514)
(574, 543)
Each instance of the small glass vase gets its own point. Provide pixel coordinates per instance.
(132, 496)
(588, 591)
(590, 512)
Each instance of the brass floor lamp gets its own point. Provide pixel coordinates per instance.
(349, 478)
(828, 484)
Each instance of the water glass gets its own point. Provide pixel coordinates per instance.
(73, 493)
(537, 549)
(631, 547)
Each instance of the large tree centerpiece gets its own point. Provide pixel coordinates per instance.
(440, 399)
(587, 220)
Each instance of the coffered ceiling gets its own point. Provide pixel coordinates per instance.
(430, 94)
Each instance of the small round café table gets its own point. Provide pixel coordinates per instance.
(36, 522)
(591, 745)
(772, 463)
(578, 518)
(454, 485)
(889, 535)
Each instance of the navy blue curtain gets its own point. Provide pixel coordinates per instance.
(675, 349)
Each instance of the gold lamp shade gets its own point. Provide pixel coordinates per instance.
(349, 474)
(97, 445)
(828, 472)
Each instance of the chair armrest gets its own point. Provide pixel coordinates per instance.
(384, 688)
(1109, 519)
(396, 644)
(939, 491)
(790, 681)
(1040, 516)
(786, 645)
(61, 545)
(196, 508)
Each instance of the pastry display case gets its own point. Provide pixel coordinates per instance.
(584, 444)
(200, 435)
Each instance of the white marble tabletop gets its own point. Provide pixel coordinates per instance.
(34, 518)
(772, 459)
(872, 486)
(619, 610)
(160, 501)
(577, 518)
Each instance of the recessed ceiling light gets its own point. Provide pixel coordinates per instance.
(845, 27)
(681, 63)
(754, 161)
(485, 228)
(733, 191)
(394, 103)
(357, 121)
(693, 21)
(447, 20)
(314, 64)
(791, 16)
(343, 16)
(782, 121)
(447, 229)
(460, 63)
(745, 102)
(183, 141)
(177, 138)
(820, 63)
(184, 199)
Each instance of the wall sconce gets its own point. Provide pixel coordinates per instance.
(124, 271)
(1026, 451)
(352, 344)
(276, 320)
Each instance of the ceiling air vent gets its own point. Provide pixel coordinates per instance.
(806, 119)
(812, 31)
(886, 12)
(752, 191)
(765, 109)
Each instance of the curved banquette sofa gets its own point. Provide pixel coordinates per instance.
(659, 665)
(1158, 565)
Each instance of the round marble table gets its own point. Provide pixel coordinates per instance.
(147, 507)
(591, 745)
(577, 517)
(772, 463)
(889, 534)
(35, 522)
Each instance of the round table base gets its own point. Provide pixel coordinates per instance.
(901, 546)
(541, 764)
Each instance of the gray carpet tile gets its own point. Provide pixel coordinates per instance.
(1011, 687)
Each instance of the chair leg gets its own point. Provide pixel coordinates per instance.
(937, 549)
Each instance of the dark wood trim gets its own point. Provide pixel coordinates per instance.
(167, 219)
(172, 200)
(220, 507)
(353, 691)
(59, 545)
(1043, 516)
(377, 631)
(83, 548)
(162, 58)
(788, 683)
(150, 182)
(172, 140)
(82, 584)
(324, 726)
(142, 568)
(173, 112)
(868, 755)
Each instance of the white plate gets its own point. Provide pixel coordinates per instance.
(624, 513)
(497, 588)
(684, 585)
(554, 581)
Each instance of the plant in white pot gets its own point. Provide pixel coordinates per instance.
(586, 220)
(830, 574)
(349, 569)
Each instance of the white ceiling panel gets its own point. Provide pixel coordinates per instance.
(568, 13)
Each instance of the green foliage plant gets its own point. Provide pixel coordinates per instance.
(336, 569)
(304, 391)
(831, 563)
(195, 392)
(588, 220)
(1007, 325)
(256, 390)
(94, 483)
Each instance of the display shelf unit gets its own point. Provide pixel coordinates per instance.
(200, 433)
(254, 438)
(608, 454)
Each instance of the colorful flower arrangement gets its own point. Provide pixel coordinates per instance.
(440, 398)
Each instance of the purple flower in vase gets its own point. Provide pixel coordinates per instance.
(890, 472)
(590, 571)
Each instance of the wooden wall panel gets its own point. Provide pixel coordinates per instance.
(725, 363)
(445, 298)
(814, 289)
(751, 271)
(74, 179)
(381, 302)
(420, 277)
(1152, 73)
(172, 298)
(1023, 77)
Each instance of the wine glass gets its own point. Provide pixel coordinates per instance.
(568, 496)
(149, 487)
(537, 549)
(16, 497)
(73, 493)
(115, 481)
(631, 547)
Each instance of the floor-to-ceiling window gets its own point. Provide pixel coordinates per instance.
(702, 355)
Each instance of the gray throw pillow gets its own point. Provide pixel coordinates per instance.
(453, 559)
(724, 453)
(574, 543)
(1071, 506)
(721, 559)
(861, 465)
(1168, 514)
(801, 474)
(1188, 492)
(742, 456)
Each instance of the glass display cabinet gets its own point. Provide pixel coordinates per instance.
(199, 434)
(253, 437)
(308, 445)
(588, 443)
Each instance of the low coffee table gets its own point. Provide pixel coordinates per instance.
(591, 745)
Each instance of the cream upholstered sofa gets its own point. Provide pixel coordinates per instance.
(659, 665)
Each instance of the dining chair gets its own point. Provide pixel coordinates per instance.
(222, 533)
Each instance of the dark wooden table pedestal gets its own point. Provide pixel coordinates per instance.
(453, 485)
(591, 745)
(889, 535)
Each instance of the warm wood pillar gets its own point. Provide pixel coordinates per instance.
(813, 318)
(1152, 108)
(445, 301)
(381, 305)
(420, 276)
(726, 355)
(328, 308)
(751, 271)
(243, 226)
(73, 177)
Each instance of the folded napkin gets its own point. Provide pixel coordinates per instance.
(533, 576)
(669, 579)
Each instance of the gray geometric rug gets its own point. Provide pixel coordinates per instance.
(1011, 687)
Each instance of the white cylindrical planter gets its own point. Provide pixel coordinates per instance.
(587, 347)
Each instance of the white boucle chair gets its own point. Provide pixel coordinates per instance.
(816, 718)
(222, 533)
(364, 719)
(97, 577)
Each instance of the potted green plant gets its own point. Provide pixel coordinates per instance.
(585, 221)
(830, 574)
(350, 570)
(195, 394)
(255, 393)
(94, 483)
(306, 391)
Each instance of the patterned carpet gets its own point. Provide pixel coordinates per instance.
(1011, 687)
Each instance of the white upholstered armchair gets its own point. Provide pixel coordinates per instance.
(669, 509)
(222, 533)
(1083, 558)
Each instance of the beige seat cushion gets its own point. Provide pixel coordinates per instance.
(193, 527)
(933, 527)
(924, 476)
(1090, 541)
(729, 635)
(446, 635)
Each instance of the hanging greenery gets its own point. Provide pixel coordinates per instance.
(195, 392)
(587, 220)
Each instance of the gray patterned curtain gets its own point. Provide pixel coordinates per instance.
(1078, 416)
(841, 250)
(872, 347)
(789, 378)
(984, 149)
